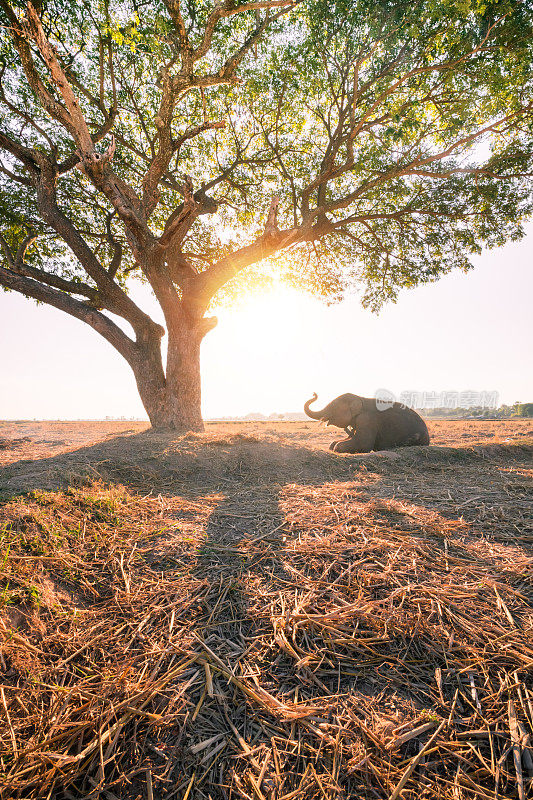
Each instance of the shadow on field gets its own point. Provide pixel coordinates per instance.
(243, 550)
(170, 464)
(243, 475)
(287, 577)
(249, 475)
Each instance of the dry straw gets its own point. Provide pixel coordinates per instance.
(361, 635)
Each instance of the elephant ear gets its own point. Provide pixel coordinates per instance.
(356, 405)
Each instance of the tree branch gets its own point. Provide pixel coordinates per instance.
(23, 154)
(123, 198)
(207, 283)
(227, 9)
(98, 321)
(115, 299)
(116, 259)
(16, 264)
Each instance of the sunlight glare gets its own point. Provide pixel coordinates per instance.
(272, 331)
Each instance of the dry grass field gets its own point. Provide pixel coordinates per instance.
(36, 440)
(244, 614)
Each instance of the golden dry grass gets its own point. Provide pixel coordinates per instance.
(243, 614)
(36, 440)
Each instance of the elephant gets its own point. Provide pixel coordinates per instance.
(369, 427)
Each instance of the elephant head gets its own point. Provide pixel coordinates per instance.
(341, 412)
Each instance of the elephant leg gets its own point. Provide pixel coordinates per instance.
(343, 445)
(350, 431)
(363, 439)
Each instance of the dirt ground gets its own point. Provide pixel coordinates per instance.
(243, 614)
(35, 440)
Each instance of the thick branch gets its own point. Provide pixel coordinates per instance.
(16, 264)
(209, 282)
(70, 115)
(181, 218)
(163, 156)
(122, 196)
(54, 108)
(116, 259)
(23, 154)
(226, 8)
(173, 8)
(98, 321)
(114, 298)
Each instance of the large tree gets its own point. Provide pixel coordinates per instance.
(201, 145)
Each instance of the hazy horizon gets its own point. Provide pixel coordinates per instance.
(268, 355)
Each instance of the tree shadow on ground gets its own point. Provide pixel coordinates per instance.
(286, 533)
(249, 474)
(165, 463)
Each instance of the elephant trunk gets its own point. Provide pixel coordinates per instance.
(313, 414)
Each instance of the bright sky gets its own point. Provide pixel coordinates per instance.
(465, 332)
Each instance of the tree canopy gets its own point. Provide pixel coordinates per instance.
(207, 145)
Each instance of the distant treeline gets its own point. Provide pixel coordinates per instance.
(517, 410)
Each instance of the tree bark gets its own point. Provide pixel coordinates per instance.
(172, 402)
(184, 387)
(150, 377)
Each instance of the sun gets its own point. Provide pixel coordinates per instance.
(270, 314)
(259, 353)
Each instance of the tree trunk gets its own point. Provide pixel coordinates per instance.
(172, 402)
(184, 387)
(151, 383)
